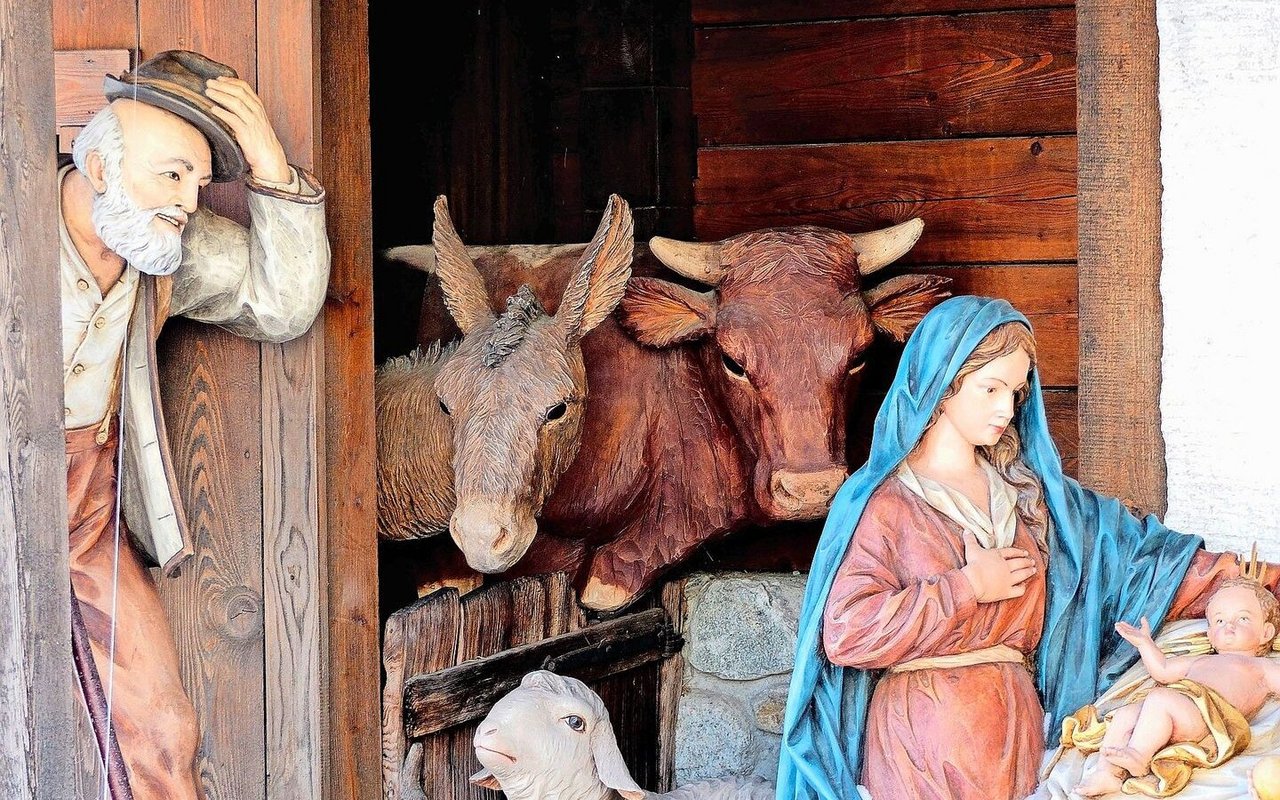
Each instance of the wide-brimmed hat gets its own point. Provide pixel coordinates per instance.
(175, 81)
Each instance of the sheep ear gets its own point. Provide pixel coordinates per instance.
(485, 778)
(610, 767)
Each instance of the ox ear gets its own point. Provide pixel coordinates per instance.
(464, 292)
(486, 779)
(602, 273)
(658, 313)
(898, 304)
(610, 767)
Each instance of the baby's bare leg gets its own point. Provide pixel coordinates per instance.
(1106, 777)
(1166, 717)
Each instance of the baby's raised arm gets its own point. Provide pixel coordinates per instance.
(1164, 669)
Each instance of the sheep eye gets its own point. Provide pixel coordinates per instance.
(443, 407)
(733, 367)
(576, 722)
(556, 412)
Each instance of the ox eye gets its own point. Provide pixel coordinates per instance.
(856, 368)
(576, 723)
(733, 367)
(444, 408)
(556, 412)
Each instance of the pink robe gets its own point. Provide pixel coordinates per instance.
(965, 733)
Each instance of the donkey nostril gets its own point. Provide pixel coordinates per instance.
(503, 539)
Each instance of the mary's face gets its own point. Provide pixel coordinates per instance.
(984, 405)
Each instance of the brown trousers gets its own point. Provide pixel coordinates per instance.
(155, 724)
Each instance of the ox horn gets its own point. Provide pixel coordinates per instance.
(881, 248)
(699, 261)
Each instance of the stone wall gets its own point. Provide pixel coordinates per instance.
(741, 641)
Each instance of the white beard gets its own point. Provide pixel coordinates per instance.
(128, 230)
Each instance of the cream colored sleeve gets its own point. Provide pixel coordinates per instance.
(267, 282)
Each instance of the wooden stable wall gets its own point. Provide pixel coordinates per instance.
(858, 115)
(276, 616)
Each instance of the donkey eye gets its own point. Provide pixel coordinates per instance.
(556, 412)
(443, 407)
(733, 367)
(576, 723)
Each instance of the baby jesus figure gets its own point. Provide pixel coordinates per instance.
(1231, 683)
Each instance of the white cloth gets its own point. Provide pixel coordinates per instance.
(93, 329)
(996, 530)
(1227, 782)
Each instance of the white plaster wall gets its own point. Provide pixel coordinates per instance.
(1220, 154)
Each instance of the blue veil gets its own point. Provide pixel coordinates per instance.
(1104, 565)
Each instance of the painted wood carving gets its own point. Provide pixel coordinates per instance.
(709, 408)
(136, 250)
(964, 589)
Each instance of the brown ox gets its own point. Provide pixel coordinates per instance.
(708, 409)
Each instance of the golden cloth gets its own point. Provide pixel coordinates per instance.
(1172, 765)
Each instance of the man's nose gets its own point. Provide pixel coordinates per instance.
(188, 197)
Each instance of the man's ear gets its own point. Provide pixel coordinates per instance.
(95, 169)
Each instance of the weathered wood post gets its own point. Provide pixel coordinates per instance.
(35, 591)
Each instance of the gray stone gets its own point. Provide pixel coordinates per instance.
(769, 706)
(744, 627)
(714, 738)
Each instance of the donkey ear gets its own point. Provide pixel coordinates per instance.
(610, 767)
(464, 292)
(898, 304)
(658, 313)
(602, 273)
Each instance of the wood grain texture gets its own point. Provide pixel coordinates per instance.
(1009, 73)
(1045, 293)
(81, 25)
(295, 575)
(215, 606)
(37, 756)
(79, 81)
(421, 638)
(1121, 319)
(670, 686)
(982, 200)
(729, 12)
(351, 651)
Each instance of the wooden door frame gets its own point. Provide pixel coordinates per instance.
(1121, 317)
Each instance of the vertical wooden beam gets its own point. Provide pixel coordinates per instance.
(292, 447)
(353, 767)
(1121, 446)
(211, 386)
(36, 694)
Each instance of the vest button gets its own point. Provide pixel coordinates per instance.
(82, 284)
(77, 369)
(100, 322)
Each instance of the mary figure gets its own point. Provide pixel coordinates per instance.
(963, 597)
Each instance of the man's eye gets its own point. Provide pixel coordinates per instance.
(173, 176)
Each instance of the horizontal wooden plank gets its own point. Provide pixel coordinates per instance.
(441, 700)
(1007, 73)
(78, 82)
(730, 12)
(1045, 293)
(982, 200)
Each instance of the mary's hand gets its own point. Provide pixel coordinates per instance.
(996, 574)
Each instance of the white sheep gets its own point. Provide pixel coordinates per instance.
(551, 738)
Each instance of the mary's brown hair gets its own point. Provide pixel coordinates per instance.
(1005, 454)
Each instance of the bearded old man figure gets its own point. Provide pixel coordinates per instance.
(136, 249)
